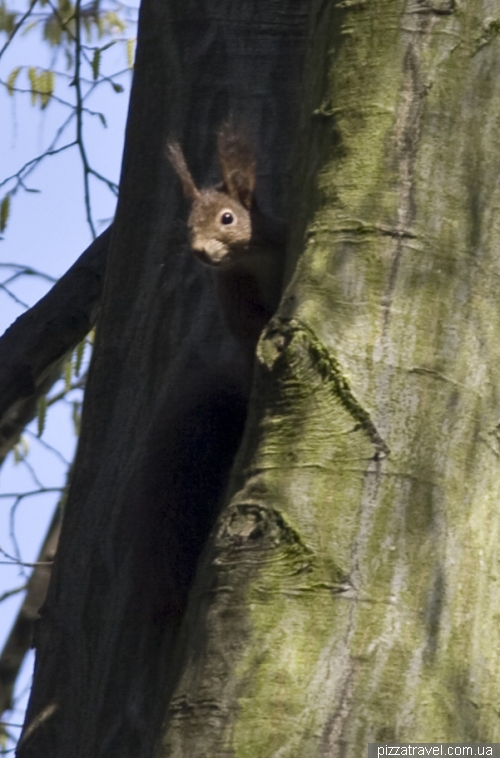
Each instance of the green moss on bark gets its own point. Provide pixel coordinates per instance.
(373, 428)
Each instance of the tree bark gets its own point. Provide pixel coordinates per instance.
(355, 569)
(20, 638)
(33, 350)
(163, 415)
(347, 591)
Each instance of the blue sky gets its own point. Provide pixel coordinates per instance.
(47, 230)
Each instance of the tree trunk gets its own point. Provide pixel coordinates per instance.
(162, 416)
(348, 590)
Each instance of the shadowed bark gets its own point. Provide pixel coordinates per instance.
(34, 348)
(21, 637)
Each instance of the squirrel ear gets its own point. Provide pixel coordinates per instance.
(237, 164)
(178, 162)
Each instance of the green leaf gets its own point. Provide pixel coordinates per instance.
(65, 9)
(28, 27)
(76, 417)
(103, 119)
(11, 80)
(52, 31)
(41, 415)
(33, 77)
(113, 22)
(130, 52)
(87, 25)
(46, 82)
(68, 371)
(96, 61)
(4, 738)
(21, 450)
(79, 352)
(117, 87)
(4, 212)
(7, 19)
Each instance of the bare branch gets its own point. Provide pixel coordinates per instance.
(12, 560)
(33, 349)
(18, 26)
(79, 117)
(20, 637)
(15, 591)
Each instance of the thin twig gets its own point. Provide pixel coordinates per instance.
(79, 117)
(28, 271)
(79, 385)
(48, 447)
(17, 27)
(31, 493)
(9, 593)
(33, 473)
(15, 298)
(17, 562)
(28, 166)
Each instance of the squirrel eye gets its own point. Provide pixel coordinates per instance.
(227, 218)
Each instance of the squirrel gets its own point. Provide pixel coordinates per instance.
(244, 247)
(198, 424)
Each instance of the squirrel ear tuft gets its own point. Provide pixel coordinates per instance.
(178, 163)
(237, 164)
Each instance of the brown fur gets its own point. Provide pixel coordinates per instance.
(247, 254)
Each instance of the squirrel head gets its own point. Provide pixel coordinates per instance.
(220, 220)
